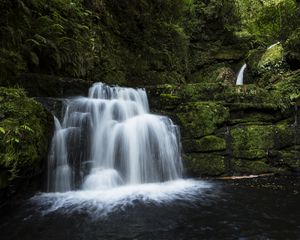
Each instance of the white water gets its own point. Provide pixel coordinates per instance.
(240, 78)
(110, 152)
(110, 139)
(102, 202)
(273, 45)
(60, 179)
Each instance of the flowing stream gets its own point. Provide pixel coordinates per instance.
(109, 150)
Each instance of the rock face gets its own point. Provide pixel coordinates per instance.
(25, 132)
(234, 130)
(190, 50)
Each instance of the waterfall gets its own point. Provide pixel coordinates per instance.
(273, 45)
(240, 78)
(59, 171)
(110, 139)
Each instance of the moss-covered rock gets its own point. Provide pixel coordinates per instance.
(251, 167)
(289, 87)
(205, 164)
(25, 129)
(201, 118)
(272, 60)
(267, 65)
(285, 134)
(252, 142)
(290, 158)
(209, 143)
(217, 73)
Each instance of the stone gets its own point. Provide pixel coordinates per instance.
(252, 141)
(205, 164)
(201, 118)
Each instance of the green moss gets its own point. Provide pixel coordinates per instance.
(217, 73)
(169, 101)
(271, 60)
(24, 128)
(201, 118)
(290, 158)
(290, 86)
(249, 115)
(204, 91)
(285, 134)
(251, 167)
(252, 142)
(209, 143)
(205, 164)
(230, 54)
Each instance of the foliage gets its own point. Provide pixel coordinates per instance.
(24, 131)
(49, 37)
(107, 40)
(268, 21)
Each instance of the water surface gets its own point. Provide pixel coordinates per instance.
(241, 209)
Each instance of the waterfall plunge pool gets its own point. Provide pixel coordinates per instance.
(115, 172)
(264, 208)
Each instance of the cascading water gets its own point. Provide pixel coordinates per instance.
(240, 78)
(59, 171)
(110, 139)
(114, 153)
(273, 45)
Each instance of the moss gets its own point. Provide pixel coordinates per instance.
(266, 66)
(169, 101)
(209, 143)
(272, 60)
(236, 98)
(229, 54)
(251, 167)
(205, 164)
(164, 97)
(249, 115)
(252, 142)
(217, 73)
(201, 118)
(290, 158)
(204, 91)
(285, 134)
(24, 128)
(289, 86)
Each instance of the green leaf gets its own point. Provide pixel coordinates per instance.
(25, 127)
(32, 42)
(34, 58)
(2, 130)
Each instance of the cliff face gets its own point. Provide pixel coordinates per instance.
(186, 53)
(229, 129)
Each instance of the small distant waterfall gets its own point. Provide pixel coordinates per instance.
(273, 45)
(240, 78)
(109, 139)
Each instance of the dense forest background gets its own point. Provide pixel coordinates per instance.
(140, 42)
